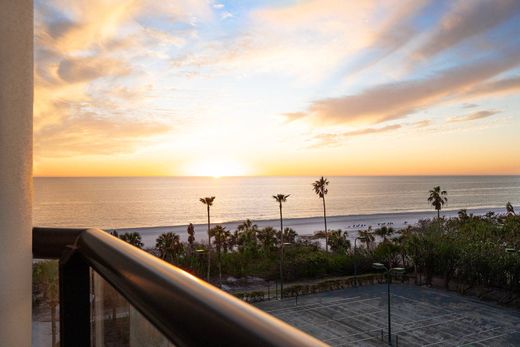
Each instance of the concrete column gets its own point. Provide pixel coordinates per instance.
(16, 106)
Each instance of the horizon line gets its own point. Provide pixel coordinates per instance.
(257, 176)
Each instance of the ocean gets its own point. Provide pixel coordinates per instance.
(137, 202)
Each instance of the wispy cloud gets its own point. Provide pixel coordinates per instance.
(472, 116)
(89, 134)
(467, 19)
(90, 82)
(333, 139)
(494, 87)
(421, 124)
(395, 100)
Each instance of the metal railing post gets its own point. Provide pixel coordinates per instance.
(74, 278)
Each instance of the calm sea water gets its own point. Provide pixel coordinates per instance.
(151, 201)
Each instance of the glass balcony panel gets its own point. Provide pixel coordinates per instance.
(45, 303)
(115, 322)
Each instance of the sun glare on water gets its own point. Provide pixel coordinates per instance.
(216, 168)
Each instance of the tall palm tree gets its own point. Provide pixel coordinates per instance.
(208, 201)
(320, 188)
(191, 237)
(438, 198)
(280, 199)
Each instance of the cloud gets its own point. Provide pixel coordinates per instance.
(334, 139)
(90, 134)
(292, 116)
(465, 20)
(498, 86)
(92, 80)
(309, 40)
(472, 116)
(395, 32)
(86, 69)
(421, 124)
(367, 131)
(396, 100)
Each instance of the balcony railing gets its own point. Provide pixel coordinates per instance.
(185, 309)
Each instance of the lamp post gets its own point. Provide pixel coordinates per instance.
(281, 265)
(355, 260)
(388, 273)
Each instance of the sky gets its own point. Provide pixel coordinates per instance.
(318, 87)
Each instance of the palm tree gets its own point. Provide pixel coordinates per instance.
(133, 238)
(289, 235)
(247, 236)
(367, 237)
(339, 241)
(168, 245)
(267, 238)
(438, 198)
(320, 188)
(208, 201)
(281, 198)
(510, 209)
(384, 232)
(191, 237)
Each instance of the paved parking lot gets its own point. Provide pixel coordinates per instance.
(420, 317)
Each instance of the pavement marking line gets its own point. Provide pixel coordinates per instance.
(342, 336)
(489, 338)
(462, 337)
(297, 309)
(411, 320)
(352, 335)
(337, 319)
(313, 304)
(350, 343)
(420, 302)
(429, 325)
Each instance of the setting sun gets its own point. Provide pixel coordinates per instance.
(215, 167)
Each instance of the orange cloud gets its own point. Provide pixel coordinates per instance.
(94, 135)
(396, 100)
(472, 116)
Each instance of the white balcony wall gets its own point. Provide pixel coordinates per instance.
(16, 106)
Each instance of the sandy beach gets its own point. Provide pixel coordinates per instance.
(307, 226)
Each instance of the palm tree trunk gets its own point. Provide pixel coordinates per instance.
(326, 232)
(438, 214)
(281, 252)
(209, 247)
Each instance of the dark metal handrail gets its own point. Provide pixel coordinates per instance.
(187, 310)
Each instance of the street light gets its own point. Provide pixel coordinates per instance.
(281, 266)
(388, 273)
(355, 260)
